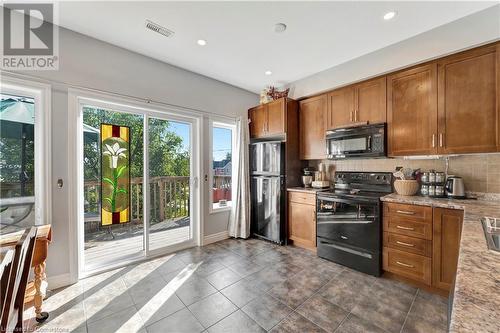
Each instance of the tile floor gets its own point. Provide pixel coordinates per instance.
(241, 286)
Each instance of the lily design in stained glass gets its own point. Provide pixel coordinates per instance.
(115, 152)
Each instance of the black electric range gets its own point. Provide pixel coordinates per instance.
(349, 220)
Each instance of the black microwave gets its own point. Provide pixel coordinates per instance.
(365, 141)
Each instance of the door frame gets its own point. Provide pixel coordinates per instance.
(79, 97)
(41, 93)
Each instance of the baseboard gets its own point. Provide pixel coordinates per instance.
(215, 237)
(59, 281)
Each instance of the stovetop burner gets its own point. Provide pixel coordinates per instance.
(361, 184)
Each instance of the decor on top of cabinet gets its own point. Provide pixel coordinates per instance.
(264, 97)
(406, 182)
(276, 94)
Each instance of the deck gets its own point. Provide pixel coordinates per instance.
(107, 252)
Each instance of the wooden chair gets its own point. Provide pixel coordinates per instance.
(7, 257)
(12, 312)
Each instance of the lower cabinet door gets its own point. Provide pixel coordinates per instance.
(412, 266)
(302, 224)
(447, 228)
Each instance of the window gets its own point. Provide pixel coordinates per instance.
(222, 154)
(23, 159)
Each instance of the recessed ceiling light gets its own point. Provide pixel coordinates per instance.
(268, 72)
(279, 27)
(201, 42)
(389, 15)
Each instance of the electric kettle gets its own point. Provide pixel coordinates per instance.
(455, 187)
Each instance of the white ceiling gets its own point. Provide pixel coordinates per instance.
(242, 43)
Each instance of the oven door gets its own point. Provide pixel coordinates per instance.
(352, 222)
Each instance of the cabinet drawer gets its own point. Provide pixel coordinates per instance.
(406, 264)
(303, 198)
(408, 244)
(412, 212)
(408, 227)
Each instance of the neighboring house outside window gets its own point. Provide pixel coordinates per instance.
(222, 153)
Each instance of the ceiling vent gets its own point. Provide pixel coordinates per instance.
(159, 29)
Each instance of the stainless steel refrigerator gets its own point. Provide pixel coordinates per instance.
(268, 190)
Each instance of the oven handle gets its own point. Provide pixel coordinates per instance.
(346, 249)
(347, 222)
(350, 202)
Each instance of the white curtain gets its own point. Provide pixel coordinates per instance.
(239, 221)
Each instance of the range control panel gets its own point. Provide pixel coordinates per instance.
(372, 178)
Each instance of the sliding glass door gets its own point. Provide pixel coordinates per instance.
(169, 162)
(137, 184)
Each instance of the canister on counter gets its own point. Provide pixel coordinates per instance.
(440, 177)
(425, 177)
(432, 190)
(424, 189)
(432, 176)
(439, 190)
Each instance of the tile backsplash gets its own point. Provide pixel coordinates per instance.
(481, 172)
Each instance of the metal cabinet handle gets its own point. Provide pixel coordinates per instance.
(404, 228)
(440, 139)
(405, 212)
(405, 244)
(356, 115)
(350, 117)
(433, 140)
(403, 264)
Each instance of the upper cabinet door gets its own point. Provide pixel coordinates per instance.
(276, 117)
(468, 108)
(258, 121)
(371, 101)
(412, 111)
(312, 116)
(340, 107)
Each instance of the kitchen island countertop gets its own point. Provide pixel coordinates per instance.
(476, 298)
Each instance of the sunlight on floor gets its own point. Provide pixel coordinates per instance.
(150, 308)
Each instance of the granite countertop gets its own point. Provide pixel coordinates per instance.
(476, 298)
(307, 189)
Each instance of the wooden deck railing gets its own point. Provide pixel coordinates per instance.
(169, 198)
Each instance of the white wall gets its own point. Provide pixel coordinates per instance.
(90, 63)
(476, 29)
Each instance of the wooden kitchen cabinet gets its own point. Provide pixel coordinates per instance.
(257, 117)
(362, 102)
(468, 110)
(412, 111)
(422, 243)
(271, 119)
(276, 117)
(340, 107)
(302, 219)
(312, 128)
(371, 101)
(447, 228)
